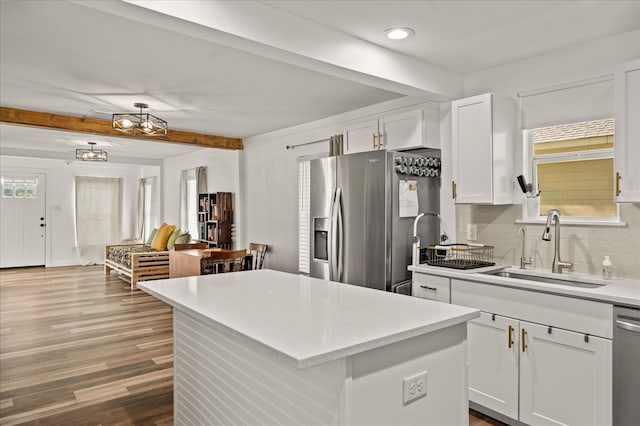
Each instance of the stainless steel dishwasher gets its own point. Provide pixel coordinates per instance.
(626, 366)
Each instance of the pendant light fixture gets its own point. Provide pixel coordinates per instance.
(140, 123)
(91, 154)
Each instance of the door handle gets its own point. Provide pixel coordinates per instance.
(628, 326)
(510, 337)
(333, 239)
(524, 340)
(340, 235)
(374, 140)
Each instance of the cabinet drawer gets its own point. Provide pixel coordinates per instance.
(431, 287)
(584, 316)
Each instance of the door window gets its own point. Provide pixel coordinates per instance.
(19, 187)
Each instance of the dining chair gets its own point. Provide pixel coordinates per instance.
(226, 261)
(257, 251)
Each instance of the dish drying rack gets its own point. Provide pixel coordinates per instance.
(459, 256)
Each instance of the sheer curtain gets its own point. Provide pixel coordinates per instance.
(192, 183)
(98, 216)
(147, 213)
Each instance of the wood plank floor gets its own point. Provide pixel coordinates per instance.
(79, 348)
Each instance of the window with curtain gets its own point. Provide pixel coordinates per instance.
(148, 216)
(148, 226)
(568, 136)
(303, 216)
(193, 182)
(98, 216)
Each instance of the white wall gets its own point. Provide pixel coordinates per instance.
(583, 245)
(223, 175)
(60, 207)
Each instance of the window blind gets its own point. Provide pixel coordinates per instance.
(303, 216)
(568, 104)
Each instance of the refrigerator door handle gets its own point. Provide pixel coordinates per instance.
(333, 239)
(340, 235)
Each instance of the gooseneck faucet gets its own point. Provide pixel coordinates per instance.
(416, 238)
(558, 265)
(523, 260)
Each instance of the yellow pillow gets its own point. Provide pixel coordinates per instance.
(162, 237)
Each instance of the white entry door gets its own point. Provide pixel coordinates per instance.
(22, 215)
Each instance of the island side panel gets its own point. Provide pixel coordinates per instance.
(223, 378)
(376, 385)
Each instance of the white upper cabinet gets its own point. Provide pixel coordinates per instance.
(401, 131)
(482, 150)
(627, 138)
(406, 129)
(361, 136)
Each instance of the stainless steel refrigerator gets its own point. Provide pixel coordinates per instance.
(357, 234)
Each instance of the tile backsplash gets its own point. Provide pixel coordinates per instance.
(584, 246)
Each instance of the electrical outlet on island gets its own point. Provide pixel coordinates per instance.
(414, 387)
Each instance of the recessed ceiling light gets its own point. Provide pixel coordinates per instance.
(399, 33)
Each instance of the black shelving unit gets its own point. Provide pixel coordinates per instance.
(215, 217)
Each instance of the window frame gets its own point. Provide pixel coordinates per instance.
(531, 161)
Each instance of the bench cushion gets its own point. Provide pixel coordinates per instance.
(122, 254)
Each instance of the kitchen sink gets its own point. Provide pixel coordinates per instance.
(549, 280)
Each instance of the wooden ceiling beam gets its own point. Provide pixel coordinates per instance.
(23, 117)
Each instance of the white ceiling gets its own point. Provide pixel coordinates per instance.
(73, 58)
(467, 36)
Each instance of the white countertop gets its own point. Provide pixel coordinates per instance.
(619, 291)
(308, 319)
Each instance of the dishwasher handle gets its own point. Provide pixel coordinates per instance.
(628, 326)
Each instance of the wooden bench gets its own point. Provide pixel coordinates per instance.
(151, 265)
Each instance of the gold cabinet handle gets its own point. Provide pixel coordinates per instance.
(510, 337)
(524, 340)
(374, 140)
(379, 139)
(453, 189)
(618, 177)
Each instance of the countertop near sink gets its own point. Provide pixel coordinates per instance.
(620, 291)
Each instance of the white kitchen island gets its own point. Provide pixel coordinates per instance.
(268, 347)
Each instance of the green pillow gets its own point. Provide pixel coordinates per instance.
(153, 234)
(173, 237)
(183, 239)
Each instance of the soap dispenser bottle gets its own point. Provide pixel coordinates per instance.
(607, 268)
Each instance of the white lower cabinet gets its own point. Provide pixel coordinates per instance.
(565, 377)
(534, 372)
(492, 358)
(431, 287)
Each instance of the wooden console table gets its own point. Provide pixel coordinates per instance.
(188, 263)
